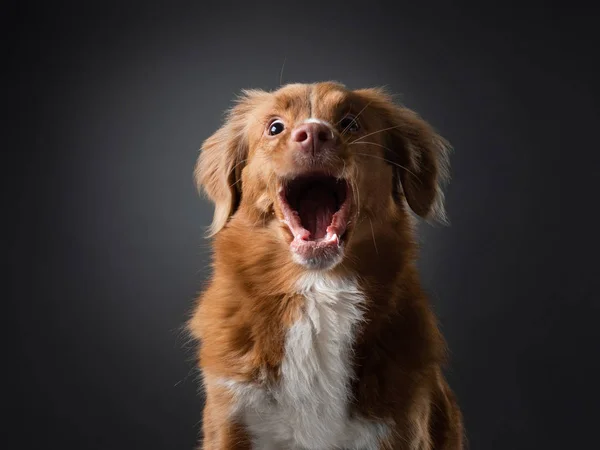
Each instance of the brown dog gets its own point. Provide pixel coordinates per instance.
(315, 332)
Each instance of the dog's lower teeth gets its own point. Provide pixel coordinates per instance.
(331, 237)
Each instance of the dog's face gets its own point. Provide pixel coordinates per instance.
(319, 164)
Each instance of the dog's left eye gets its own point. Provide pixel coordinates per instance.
(276, 127)
(349, 124)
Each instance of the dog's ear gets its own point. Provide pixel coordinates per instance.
(222, 158)
(421, 155)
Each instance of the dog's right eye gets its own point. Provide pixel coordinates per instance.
(276, 127)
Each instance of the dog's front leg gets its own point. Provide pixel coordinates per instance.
(220, 430)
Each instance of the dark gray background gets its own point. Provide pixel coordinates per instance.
(106, 106)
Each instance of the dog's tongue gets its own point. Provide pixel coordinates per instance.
(316, 209)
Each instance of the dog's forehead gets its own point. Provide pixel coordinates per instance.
(319, 99)
(327, 97)
(293, 98)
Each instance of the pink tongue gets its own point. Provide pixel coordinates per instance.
(316, 209)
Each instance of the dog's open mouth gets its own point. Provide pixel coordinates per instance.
(316, 209)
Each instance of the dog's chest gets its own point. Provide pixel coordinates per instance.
(308, 408)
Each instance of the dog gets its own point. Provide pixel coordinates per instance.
(314, 331)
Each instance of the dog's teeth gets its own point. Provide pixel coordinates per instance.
(331, 237)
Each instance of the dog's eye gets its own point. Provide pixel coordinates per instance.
(276, 127)
(349, 124)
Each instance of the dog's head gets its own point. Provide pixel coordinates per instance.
(312, 161)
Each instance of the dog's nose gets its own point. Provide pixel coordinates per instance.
(313, 137)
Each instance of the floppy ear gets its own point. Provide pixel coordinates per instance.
(421, 152)
(222, 158)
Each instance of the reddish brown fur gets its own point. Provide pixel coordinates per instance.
(242, 316)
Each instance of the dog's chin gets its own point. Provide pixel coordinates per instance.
(317, 257)
(316, 210)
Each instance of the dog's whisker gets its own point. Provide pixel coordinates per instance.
(235, 167)
(281, 73)
(373, 234)
(357, 191)
(374, 132)
(355, 117)
(364, 109)
(339, 121)
(388, 160)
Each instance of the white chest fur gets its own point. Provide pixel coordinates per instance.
(308, 409)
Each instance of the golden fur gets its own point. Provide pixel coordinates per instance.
(396, 161)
